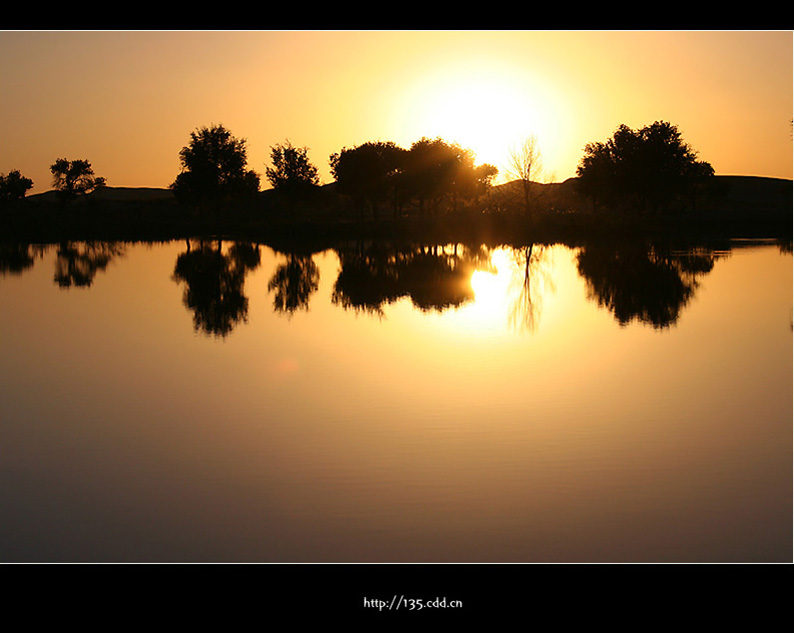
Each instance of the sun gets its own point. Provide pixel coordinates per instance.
(485, 109)
(481, 117)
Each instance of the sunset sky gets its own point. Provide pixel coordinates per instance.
(128, 100)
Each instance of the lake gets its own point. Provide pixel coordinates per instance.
(222, 401)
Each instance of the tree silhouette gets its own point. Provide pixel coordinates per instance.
(482, 179)
(429, 171)
(214, 169)
(525, 165)
(14, 186)
(642, 169)
(291, 173)
(73, 178)
(435, 171)
(367, 173)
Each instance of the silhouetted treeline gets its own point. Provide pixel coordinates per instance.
(646, 181)
(431, 177)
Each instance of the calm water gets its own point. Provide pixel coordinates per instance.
(226, 402)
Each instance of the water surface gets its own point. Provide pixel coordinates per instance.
(222, 401)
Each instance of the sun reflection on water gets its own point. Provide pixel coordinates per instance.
(491, 287)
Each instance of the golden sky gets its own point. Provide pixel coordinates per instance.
(128, 100)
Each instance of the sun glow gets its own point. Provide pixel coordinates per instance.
(487, 110)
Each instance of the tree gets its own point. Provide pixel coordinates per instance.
(292, 173)
(597, 173)
(428, 172)
(435, 170)
(525, 165)
(13, 186)
(484, 176)
(646, 168)
(72, 178)
(367, 173)
(214, 169)
(469, 181)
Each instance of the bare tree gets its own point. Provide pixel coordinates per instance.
(525, 165)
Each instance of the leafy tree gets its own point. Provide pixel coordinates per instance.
(435, 170)
(214, 169)
(367, 173)
(72, 178)
(14, 186)
(646, 168)
(475, 181)
(597, 172)
(291, 173)
(429, 171)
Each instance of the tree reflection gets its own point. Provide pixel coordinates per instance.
(534, 269)
(294, 282)
(434, 277)
(17, 258)
(648, 284)
(214, 284)
(77, 263)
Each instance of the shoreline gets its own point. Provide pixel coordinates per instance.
(747, 206)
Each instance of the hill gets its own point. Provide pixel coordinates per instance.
(116, 194)
(726, 192)
(731, 192)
